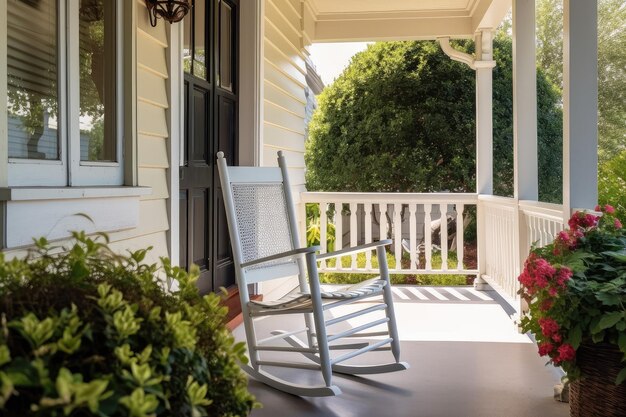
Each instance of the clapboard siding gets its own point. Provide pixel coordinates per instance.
(151, 88)
(284, 63)
(152, 140)
(150, 54)
(155, 178)
(276, 95)
(157, 240)
(283, 139)
(277, 78)
(152, 152)
(284, 102)
(151, 119)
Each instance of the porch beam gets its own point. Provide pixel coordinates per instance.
(580, 105)
(376, 28)
(524, 102)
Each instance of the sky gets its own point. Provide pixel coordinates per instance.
(330, 59)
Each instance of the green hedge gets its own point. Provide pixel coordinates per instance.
(91, 332)
(420, 279)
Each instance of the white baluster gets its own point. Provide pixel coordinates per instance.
(413, 236)
(443, 231)
(353, 232)
(459, 235)
(397, 228)
(323, 232)
(338, 232)
(368, 234)
(428, 237)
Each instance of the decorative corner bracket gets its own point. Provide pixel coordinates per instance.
(462, 57)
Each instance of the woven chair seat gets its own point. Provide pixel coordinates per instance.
(302, 300)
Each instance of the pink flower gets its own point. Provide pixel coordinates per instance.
(597, 208)
(548, 326)
(563, 236)
(546, 305)
(617, 224)
(590, 220)
(544, 268)
(608, 209)
(566, 352)
(557, 338)
(584, 220)
(545, 348)
(553, 291)
(563, 275)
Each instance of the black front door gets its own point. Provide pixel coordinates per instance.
(211, 107)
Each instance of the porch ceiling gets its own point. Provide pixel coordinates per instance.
(373, 20)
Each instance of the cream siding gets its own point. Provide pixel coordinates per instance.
(284, 102)
(152, 140)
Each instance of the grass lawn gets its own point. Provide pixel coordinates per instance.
(416, 279)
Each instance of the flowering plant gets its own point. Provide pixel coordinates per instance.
(576, 289)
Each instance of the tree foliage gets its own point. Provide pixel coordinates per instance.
(401, 118)
(611, 66)
(611, 87)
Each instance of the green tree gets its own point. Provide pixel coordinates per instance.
(611, 66)
(612, 183)
(401, 118)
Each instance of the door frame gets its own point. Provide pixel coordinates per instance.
(250, 114)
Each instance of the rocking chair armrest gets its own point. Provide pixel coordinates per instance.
(355, 249)
(288, 254)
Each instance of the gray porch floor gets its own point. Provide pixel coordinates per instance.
(466, 358)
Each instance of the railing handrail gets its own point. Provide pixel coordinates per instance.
(496, 199)
(547, 210)
(406, 198)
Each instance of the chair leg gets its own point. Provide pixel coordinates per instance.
(388, 297)
(318, 318)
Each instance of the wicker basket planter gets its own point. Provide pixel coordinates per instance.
(596, 395)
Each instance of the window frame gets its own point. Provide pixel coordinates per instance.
(69, 170)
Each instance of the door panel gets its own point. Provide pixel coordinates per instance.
(210, 64)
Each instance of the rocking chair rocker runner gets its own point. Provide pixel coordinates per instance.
(264, 237)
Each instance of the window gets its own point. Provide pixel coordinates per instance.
(64, 92)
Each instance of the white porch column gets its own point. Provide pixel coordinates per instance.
(580, 105)
(484, 138)
(525, 164)
(484, 111)
(524, 101)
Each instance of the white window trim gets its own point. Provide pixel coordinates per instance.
(69, 170)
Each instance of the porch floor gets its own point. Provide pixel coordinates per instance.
(466, 357)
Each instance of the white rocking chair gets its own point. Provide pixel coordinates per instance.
(264, 237)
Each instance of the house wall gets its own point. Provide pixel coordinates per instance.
(284, 100)
(151, 154)
(152, 139)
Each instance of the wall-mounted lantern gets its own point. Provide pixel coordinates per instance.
(170, 10)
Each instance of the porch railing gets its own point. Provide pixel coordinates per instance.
(417, 224)
(509, 228)
(412, 220)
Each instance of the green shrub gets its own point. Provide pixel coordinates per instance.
(420, 279)
(91, 332)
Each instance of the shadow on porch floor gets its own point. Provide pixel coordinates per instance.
(467, 360)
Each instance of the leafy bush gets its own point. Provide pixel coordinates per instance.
(91, 332)
(420, 279)
(612, 183)
(576, 290)
(314, 228)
